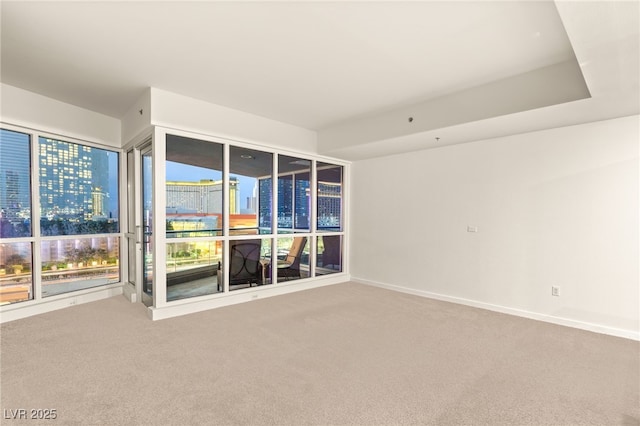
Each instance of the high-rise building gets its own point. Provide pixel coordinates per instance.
(97, 197)
(265, 190)
(302, 201)
(72, 178)
(294, 203)
(285, 201)
(329, 204)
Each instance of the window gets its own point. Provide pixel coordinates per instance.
(194, 216)
(329, 246)
(15, 184)
(294, 201)
(329, 193)
(16, 283)
(78, 196)
(15, 273)
(78, 189)
(249, 213)
(193, 188)
(79, 263)
(250, 177)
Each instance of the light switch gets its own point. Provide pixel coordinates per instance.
(472, 229)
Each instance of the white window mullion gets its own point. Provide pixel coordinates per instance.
(274, 220)
(36, 268)
(159, 153)
(313, 218)
(226, 208)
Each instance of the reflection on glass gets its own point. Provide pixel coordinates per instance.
(294, 202)
(15, 273)
(76, 264)
(329, 254)
(249, 208)
(192, 268)
(265, 204)
(15, 184)
(329, 192)
(285, 203)
(78, 189)
(147, 222)
(194, 188)
(293, 258)
(131, 218)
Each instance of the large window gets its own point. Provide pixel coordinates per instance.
(77, 213)
(294, 201)
(78, 189)
(329, 247)
(194, 216)
(329, 190)
(16, 283)
(78, 196)
(77, 263)
(194, 188)
(246, 209)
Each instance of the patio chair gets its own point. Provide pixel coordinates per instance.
(290, 267)
(331, 255)
(244, 264)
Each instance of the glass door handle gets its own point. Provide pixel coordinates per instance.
(146, 235)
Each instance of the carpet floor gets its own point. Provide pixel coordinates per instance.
(346, 354)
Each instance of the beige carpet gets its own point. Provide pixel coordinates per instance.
(342, 354)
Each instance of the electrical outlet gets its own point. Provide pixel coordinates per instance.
(555, 290)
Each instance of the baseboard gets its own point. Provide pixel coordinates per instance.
(596, 328)
(35, 307)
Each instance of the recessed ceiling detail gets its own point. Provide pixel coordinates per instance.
(337, 67)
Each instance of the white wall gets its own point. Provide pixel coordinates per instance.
(136, 121)
(181, 112)
(556, 207)
(28, 109)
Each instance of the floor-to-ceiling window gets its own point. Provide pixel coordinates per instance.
(239, 216)
(16, 244)
(69, 238)
(194, 216)
(79, 210)
(330, 218)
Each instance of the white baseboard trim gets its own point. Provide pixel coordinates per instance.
(35, 307)
(203, 303)
(596, 328)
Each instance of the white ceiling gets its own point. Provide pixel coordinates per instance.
(334, 67)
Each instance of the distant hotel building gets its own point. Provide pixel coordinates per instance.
(204, 196)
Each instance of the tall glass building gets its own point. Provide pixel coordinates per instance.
(73, 181)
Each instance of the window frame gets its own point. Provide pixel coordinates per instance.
(36, 239)
(160, 134)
